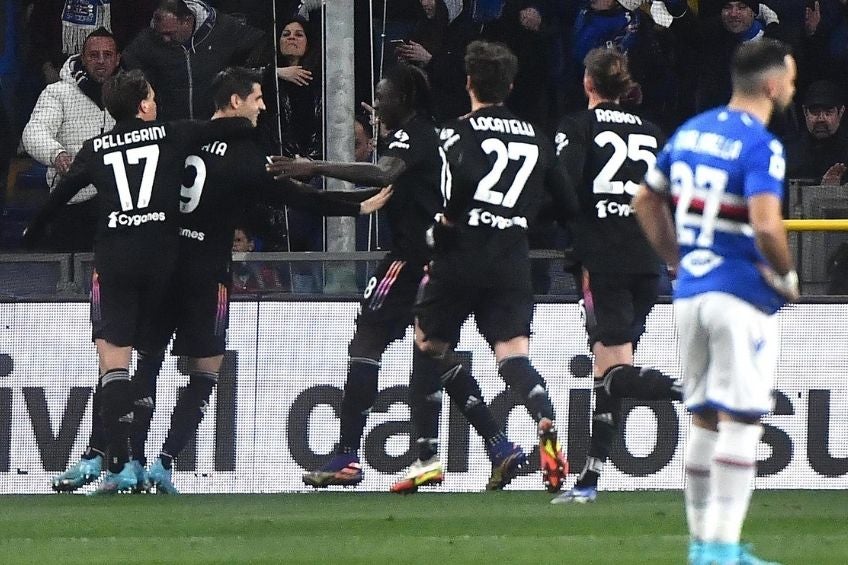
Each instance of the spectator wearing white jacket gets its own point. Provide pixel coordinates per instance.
(67, 113)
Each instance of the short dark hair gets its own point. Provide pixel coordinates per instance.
(365, 121)
(176, 7)
(99, 32)
(492, 68)
(607, 67)
(411, 83)
(753, 60)
(123, 92)
(233, 80)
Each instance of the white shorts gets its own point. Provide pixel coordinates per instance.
(729, 351)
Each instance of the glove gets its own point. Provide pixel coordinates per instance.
(441, 236)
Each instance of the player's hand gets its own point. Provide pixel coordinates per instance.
(785, 285)
(295, 75)
(442, 235)
(376, 202)
(833, 176)
(62, 162)
(285, 167)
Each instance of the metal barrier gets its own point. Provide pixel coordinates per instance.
(72, 279)
(817, 219)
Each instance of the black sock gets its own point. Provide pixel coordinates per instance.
(525, 380)
(360, 392)
(466, 395)
(116, 411)
(641, 383)
(167, 460)
(144, 400)
(425, 401)
(604, 433)
(189, 411)
(98, 440)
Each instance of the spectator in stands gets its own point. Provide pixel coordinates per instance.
(293, 125)
(251, 276)
(187, 45)
(822, 51)
(428, 35)
(710, 43)
(520, 29)
(821, 151)
(67, 113)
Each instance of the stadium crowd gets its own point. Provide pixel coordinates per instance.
(678, 52)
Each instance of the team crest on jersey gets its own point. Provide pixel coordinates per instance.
(561, 141)
(401, 140)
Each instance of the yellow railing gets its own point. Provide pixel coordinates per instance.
(816, 225)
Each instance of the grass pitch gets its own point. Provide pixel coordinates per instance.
(801, 527)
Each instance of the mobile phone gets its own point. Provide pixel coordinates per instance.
(397, 42)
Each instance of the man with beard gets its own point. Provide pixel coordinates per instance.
(67, 113)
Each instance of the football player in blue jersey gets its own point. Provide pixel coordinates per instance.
(723, 173)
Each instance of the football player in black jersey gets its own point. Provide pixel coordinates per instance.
(497, 169)
(134, 167)
(607, 149)
(409, 160)
(223, 179)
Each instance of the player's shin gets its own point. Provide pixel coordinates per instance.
(117, 414)
(699, 455)
(360, 392)
(525, 380)
(733, 469)
(144, 400)
(189, 411)
(425, 396)
(98, 440)
(641, 383)
(604, 432)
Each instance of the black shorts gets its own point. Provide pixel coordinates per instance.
(386, 308)
(617, 304)
(502, 313)
(198, 310)
(126, 303)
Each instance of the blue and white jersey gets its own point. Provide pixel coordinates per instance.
(712, 165)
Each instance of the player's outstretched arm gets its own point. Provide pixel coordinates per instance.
(77, 178)
(289, 192)
(654, 217)
(383, 173)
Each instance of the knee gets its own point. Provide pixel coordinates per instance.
(365, 345)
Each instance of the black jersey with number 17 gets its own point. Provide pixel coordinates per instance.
(498, 169)
(607, 151)
(136, 169)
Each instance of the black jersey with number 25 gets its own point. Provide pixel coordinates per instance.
(607, 151)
